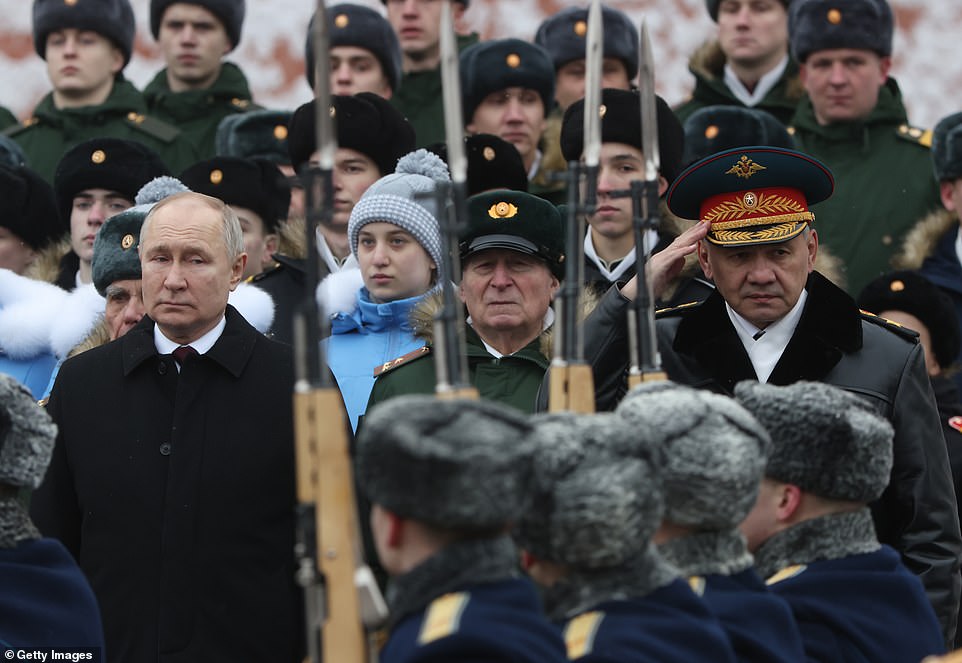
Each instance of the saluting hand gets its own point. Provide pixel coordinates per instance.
(665, 265)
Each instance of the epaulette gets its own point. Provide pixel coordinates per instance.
(916, 135)
(697, 584)
(254, 278)
(671, 310)
(152, 126)
(402, 360)
(580, 633)
(904, 332)
(786, 573)
(443, 617)
(16, 129)
(240, 105)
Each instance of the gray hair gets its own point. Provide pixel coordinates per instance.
(231, 229)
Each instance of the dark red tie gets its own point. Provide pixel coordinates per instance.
(182, 353)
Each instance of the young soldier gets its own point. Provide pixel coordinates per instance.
(86, 46)
(197, 88)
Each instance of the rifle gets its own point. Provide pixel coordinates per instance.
(571, 384)
(450, 357)
(340, 594)
(645, 360)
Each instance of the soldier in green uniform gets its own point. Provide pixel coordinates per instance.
(417, 25)
(507, 89)
(86, 45)
(197, 88)
(854, 121)
(512, 258)
(748, 64)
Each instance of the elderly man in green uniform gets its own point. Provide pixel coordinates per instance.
(86, 45)
(512, 259)
(748, 64)
(507, 89)
(853, 120)
(417, 24)
(197, 88)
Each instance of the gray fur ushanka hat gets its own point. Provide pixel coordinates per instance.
(825, 440)
(113, 19)
(815, 25)
(947, 148)
(451, 464)
(27, 436)
(714, 451)
(597, 495)
(230, 13)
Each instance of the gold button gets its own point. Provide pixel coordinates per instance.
(513, 60)
(896, 286)
(488, 153)
(834, 16)
(98, 156)
(127, 241)
(216, 176)
(886, 239)
(341, 20)
(581, 28)
(711, 131)
(280, 132)
(132, 116)
(602, 110)
(333, 111)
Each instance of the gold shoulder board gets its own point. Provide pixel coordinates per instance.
(443, 617)
(400, 361)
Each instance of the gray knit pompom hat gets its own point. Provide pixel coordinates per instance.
(715, 451)
(825, 440)
(597, 498)
(27, 436)
(406, 199)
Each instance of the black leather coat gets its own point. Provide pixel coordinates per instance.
(836, 344)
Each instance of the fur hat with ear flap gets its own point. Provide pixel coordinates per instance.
(113, 19)
(405, 198)
(714, 451)
(825, 440)
(229, 12)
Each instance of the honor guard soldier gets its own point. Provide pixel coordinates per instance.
(197, 88)
(586, 538)
(507, 89)
(773, 318)
(365, 54)
(812, 534)
(447, 478)
(748, 64)
(512, 263)
(86, 45)
(854, 121)
(715, 454)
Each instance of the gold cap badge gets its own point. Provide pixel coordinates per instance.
(581, 28)
(750, 200)
(341, 20)
(127, 241)
(513, 60)
(834, 16)
(280, 132)
(99, 156)
(711, 131)
(502, 210)
(488, 153)
(896, 286)
(216, 176)
(744, 168)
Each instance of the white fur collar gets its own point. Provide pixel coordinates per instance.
(338, 292)
(29, 309)
(255, 305)
(83, 309)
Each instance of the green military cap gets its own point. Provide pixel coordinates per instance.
(258, 134)
(751, 195)
(115, 248)
(515, 220)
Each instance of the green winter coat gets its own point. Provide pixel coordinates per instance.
(707, 65)
(198, 112)
(512, 380)
(50, 131)
(419, 99)
(7, 119)
(883, 183)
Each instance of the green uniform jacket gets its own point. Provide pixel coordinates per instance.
(419, 99)
(7, 119)
(198, 112)
(512, 380)
(50, 131)
(883, 183)
(707, 65)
